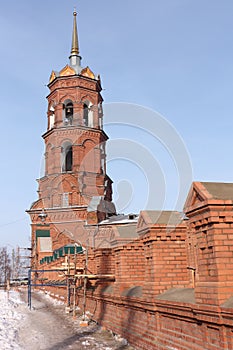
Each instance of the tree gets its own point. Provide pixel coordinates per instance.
(5, 265)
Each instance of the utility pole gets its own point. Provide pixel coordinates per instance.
(22, 262)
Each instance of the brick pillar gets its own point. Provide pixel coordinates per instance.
(104, 261)
(129, 266)
(165, 259)
(212, 225)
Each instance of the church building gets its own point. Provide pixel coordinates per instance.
(160, 284)
(75, 189)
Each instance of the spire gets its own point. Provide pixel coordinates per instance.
(75, 59)
(74, 48)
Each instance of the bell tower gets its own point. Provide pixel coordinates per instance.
(74, 188)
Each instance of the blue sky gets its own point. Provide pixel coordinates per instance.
(172, 56)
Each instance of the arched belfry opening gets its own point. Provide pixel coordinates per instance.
(51, 114)
(87, 114)
(67, 157)
(68, 112)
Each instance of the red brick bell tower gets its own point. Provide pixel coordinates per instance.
(75, 188)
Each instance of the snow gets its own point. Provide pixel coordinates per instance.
(50, 296)
(9, 320)
(46, 326)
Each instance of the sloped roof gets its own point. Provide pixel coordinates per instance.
(162, 217)
(219, 190)
(98, 203)
(120, 219)
(133, 292)
(156, 218)
(94, 203)
(228, 303)
(184, 295)
(127, 231)
(202, 193)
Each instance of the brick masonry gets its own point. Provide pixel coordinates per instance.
(167, 292)
(173, 277)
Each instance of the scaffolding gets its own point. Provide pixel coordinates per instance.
(73, 275)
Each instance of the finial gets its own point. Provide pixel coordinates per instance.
(75, 46)
(75, 58)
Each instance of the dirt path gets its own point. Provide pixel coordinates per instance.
(47, 327)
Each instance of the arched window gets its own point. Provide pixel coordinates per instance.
(85, 114)
(100, 113)
(67, 157)
(51, 117)
(68, 112)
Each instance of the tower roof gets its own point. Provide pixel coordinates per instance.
(74, 67)
(75, 58)
(75, 43)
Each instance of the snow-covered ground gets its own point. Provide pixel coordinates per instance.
(10, 320)
(47, 327)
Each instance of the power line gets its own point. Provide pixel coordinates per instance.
(13, 222)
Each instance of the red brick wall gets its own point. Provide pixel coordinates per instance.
(162, 326)
(146, 322)
(165, 260)
(159, 260)
(129, 266)
(211, 240)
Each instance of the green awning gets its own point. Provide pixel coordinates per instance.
(70, 249)
(42, 233)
